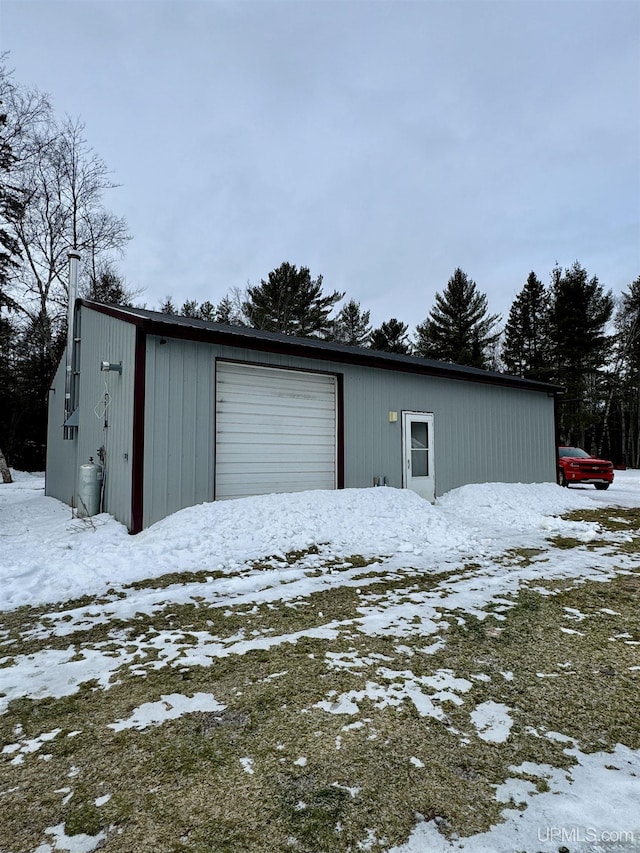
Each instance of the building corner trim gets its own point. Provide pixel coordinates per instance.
(137, 461)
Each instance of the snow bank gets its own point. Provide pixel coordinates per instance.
(351, 521)
(47, 556)
(517, 504)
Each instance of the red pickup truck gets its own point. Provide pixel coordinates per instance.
(576, 466)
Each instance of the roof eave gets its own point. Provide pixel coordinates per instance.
(255, 339)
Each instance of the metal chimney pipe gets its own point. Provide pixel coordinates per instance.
(74, 258)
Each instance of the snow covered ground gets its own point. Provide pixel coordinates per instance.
(48, 557)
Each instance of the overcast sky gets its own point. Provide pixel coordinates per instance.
(381, 144)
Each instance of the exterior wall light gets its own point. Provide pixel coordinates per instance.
(111, 365)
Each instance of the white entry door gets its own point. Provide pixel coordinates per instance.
(417, 454)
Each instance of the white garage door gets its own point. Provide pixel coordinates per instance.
(275, 430)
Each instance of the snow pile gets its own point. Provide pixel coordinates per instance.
(47, 556)
(516, 505)
(352, 521)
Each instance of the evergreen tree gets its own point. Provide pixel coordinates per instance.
(109, 288)
(526, 348)
(459, 328)
(227, 312)
(207, 311)
(167, 307)
(290, 301)
(37, 353)
(352, 326)
(579, 313)
(391, 336)
(190, 309)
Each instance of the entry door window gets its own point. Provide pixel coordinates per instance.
(419, 449)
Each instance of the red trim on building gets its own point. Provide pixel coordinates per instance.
(340, 429)
(183, 328)
(137, 453)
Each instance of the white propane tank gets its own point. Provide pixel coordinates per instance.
(89, 487)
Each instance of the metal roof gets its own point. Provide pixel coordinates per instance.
(189, 328)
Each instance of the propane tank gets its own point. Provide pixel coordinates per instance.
(89, 488)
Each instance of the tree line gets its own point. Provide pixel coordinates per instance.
(570, 332)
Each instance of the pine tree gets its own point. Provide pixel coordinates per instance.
(352, 326)
(109, 288)
(391, 336)
(459, 328)
(225, 312)
(207, 311)
(167, 307)
(38, 351)
(579, 313)
(291, 302)
(190, 309)
(526, 349)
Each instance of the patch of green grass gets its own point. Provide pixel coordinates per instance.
(609, 518)
(174, 578)
(566, 543)
(83, 816)
(612, 521)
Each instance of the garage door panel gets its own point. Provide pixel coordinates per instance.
(269, 406)
(258, 462)
(277, 450)
(240, 375)
(261, 483)
(240, 418)
(244, 375)
(275, 430)
(295, 390)
(248, 469)
(247, 434)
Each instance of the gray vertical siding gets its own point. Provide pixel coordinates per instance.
(179, 428)
(60, 480)
(102, 338)
(483, 433)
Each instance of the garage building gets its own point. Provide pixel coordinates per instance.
(182, 411)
